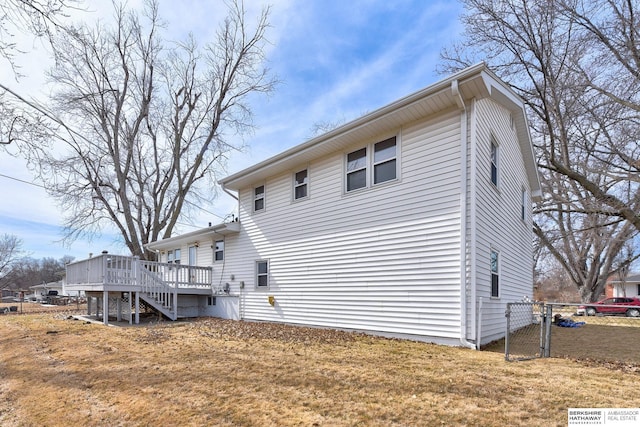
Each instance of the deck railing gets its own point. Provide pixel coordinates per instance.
(107, 269)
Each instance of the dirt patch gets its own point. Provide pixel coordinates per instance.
(227, 373)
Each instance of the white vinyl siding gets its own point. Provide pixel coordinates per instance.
(499, 224)
(385, 260)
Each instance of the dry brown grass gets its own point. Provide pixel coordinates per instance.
(60, 372)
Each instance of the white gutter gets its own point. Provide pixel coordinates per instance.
(463, 222)
(226, 190)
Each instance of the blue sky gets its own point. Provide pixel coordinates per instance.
(336, 61)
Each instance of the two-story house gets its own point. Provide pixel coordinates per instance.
(412, 221)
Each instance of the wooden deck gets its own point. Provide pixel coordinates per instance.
(158, 284)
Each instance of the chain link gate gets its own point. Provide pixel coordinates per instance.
(528, 333)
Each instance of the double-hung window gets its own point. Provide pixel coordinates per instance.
(495, 274)
(219, 253)
(494, 161)
(258, 199)
(384, 161)
(300, 185)
(365, 169)
(262, 274)
(357, 169)
(173, 256)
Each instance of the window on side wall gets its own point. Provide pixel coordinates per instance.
(300, 185)
(219, 253)
(173, 256)
(494, 161)
(262, 274)
(639, 290)
(523, 205)
(357, 169)
(258, 199)
(364, 169)
(384, 161)
(495, 274)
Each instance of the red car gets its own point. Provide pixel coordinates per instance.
(619, 305)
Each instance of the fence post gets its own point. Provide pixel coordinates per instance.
(549, 319)
(507, 314)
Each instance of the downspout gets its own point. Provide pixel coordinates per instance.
(226, 190)
(463, 216)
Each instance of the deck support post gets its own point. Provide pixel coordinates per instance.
(130, 307)
(105, 307)
(118, 309)
(137, 308)
(89, 305)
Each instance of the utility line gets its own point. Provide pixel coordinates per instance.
(22, 180)
(43, 187)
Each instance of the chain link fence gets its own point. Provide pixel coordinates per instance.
(608, 333)
(526, 335)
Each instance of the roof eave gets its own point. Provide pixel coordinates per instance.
(196, 236)
(238, 180)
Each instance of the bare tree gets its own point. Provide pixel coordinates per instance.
(10, 252)
(141, 126)
(583, 134)
(37, 17)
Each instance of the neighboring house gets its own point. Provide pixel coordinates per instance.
(627, 287)
(42, 291)
(410, 221)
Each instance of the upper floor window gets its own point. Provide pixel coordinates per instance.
(383, 164)
(300, 184)
(494, 161)
(384, 161)
(219, 253)
(523, 204)
(357, 169)
(173, 256)
(258, 198)
(495, 274)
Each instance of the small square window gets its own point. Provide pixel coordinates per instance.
(258, 198)
(211, 300)
(300, 184)
(262, 274)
